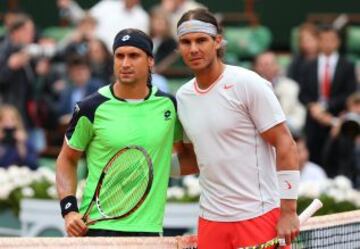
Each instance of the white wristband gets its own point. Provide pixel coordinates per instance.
(175, 167)
(288, 181)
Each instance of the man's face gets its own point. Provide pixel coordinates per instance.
(79, 74)
(131, 64)
(198, 50)
(26, 33)
(266, 66)
(329, 42)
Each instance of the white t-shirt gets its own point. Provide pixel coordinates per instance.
(112, 16)
(237, 167)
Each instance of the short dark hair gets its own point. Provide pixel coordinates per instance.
(204, 15)
(19, 22)
(328, 28)
(77, 60)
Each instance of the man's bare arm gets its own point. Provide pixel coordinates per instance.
(187, 158)
(66, 183)
(66, 176)
(286, 160)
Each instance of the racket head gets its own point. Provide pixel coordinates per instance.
(124, 183)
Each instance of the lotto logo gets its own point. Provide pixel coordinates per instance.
(125, 37)
(68, 205)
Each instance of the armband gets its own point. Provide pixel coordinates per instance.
(68, 204)
(288, 183)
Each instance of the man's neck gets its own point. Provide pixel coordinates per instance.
(209, 75)
(131, 91)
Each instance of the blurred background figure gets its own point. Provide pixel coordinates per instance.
(79, 84)
(18, 58)
(286, 90)
(175, 9)
(160, 32)
(309, 171)
(110, 15)
(100, 61)
(308, 49)
(326, 83)
(15, 149)
(77, 42)
(342, 151)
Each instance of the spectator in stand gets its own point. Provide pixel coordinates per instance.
(309, 171)
(307, 50)
(15, 149)
(17, 74)
(342, 150)
(286, 90)
(101, 61)
(111, 15)
(164, 43)
(325, 86)
(79, 85)
(175, 9)
(77, 42)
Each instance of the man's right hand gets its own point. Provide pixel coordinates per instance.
(74, 225)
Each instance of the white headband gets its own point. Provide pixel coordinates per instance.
(193, 26)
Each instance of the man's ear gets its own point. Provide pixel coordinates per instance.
(151, 61)
(219, 41)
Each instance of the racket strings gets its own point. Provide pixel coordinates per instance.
(124, 184)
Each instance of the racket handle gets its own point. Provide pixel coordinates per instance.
(315, 205)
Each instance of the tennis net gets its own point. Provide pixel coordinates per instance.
(335, 231)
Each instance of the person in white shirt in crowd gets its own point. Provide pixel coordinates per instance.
(286, 90)
(111, 16)
(176, 8)
(309, 171)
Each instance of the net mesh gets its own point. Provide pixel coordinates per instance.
(336, 231)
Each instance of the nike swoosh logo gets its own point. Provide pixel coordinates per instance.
(288, 184)
(228, 86)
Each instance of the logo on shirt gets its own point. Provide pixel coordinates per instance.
(167, 115)
(125, 37)
(226, 86)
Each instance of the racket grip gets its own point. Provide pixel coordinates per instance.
(315, 205)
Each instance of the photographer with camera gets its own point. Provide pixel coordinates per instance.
(342, 150)
(19, 57)
(14, 146)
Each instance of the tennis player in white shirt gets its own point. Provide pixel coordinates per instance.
(246, 156)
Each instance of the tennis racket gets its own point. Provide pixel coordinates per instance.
(124, 183)
(315, 205)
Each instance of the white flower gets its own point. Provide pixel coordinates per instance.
(27, 192)
(343, 183)
(190, 181)
(336, 194)
(176, 193)
(51, 191)
(309, 189)
(5, 191)
(48, 174)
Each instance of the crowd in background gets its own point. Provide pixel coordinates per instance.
(41, 79)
